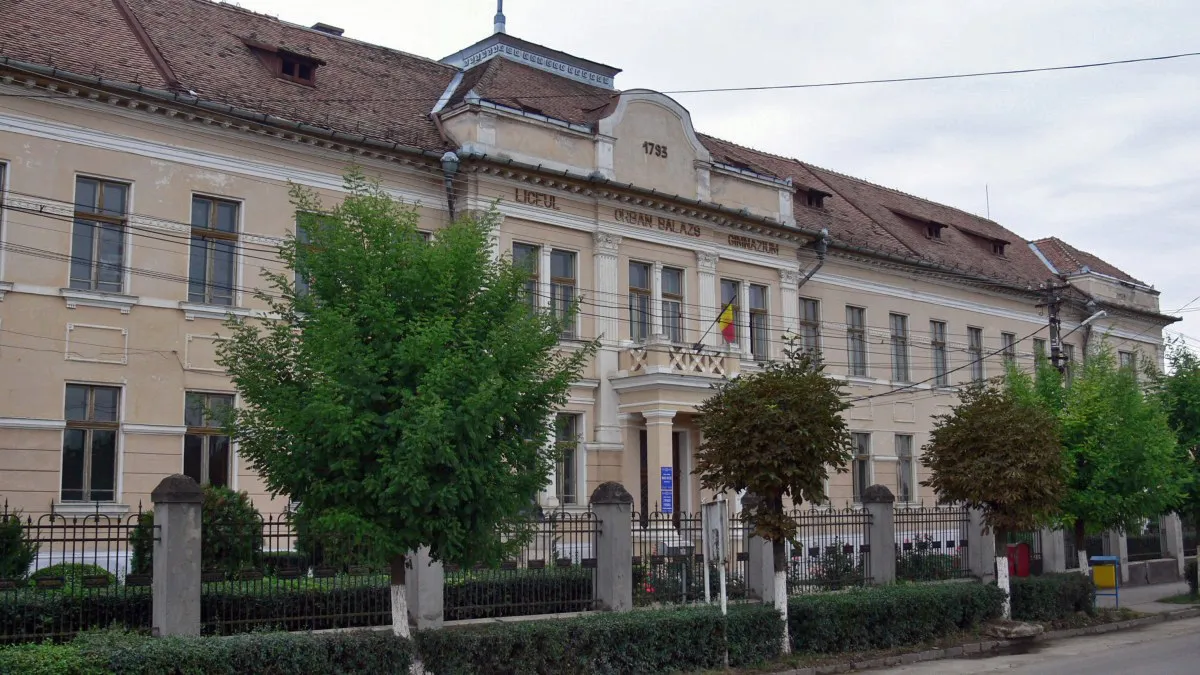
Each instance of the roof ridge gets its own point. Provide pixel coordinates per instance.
(746, 147)
(221, 4)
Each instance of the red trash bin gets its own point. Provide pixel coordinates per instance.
(1018, 559)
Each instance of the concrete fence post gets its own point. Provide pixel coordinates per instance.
(613, 506)
(1115, 544)
(1054, 551)
(981, 548)
(424, 587)
(879, 501)
(176, 567)
(760, 569)
(1172, 534)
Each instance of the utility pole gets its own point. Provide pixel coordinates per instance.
(1057, 358)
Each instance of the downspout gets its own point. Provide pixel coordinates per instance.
(820, 245)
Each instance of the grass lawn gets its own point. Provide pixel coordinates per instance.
(1181, 599)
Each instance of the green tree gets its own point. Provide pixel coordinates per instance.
(775, 434)
(1119, 443)
(999, 451)
(1178, 391)
(403, 397)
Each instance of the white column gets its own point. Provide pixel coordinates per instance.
(789, 297)
(743, 318)
(656, 326)
(709, 298)
(544, 278)
(608, 328)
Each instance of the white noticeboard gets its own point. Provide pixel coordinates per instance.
(713, 523)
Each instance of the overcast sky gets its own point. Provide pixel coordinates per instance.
(1107, 159)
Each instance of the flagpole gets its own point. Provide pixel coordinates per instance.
(699, 346)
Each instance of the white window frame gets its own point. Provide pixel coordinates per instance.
(239, 241)
(119, 460)
(870, 460)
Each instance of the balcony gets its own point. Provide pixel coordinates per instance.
(658, 358)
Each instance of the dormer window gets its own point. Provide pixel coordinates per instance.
(291, 68)
(998, 247)
(933, 230)
(287, 64)
(815, 199)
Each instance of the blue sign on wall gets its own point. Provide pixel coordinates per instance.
(668, 489)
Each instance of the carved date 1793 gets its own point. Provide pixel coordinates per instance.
(655, 149)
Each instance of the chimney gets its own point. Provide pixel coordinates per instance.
(498, 21)
(332, 30)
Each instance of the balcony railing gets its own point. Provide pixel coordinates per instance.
(661, 357)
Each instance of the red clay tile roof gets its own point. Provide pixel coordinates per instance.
(387, 95)
(516, 85)
(1069, 260)
(87, 37)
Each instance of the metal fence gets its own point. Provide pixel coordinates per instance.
(1093, 545)
(554, 572)
(1147, 544)
(931, 543)
(1034, 540)
(61, 575)
(668, 558)
(830, 551)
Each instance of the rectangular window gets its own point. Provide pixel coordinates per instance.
(900, 370)
(862, 463)
(1008, 347)
(566, 441)
(206, 454)
(98, 235)
(214, 246)
(905, 478)
(1126, 359)
(810, 325)
(672, 303)
(856, 341)
(639, 301)
(526, 257)
(562, 290)
(975, 352)
(89, 463)
(937, 345)
(1039, 348)
(760, 323)
(729, 298)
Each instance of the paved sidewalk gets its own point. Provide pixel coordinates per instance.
(1143, 598)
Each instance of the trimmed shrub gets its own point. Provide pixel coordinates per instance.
(1051, 597)
(927, 566)
(513, 593)
(36, 613)
(257, 653)
(644, 641)
(16, 554)
(891, 616)
(231, 533)
(755, 634)
(77, 576)
(47, 659)
(1189, 571)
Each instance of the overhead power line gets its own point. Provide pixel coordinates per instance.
(714, 90)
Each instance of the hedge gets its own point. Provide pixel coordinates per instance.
(259, 653)
(642, 641)
(1051, 597)
(891, 616)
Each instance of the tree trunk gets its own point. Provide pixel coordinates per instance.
(1081, 546)
(399, 598)
(780, 556)
(1001, 540)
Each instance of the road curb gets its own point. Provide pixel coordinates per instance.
(989, 646)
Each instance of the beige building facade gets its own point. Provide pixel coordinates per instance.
(136, 217)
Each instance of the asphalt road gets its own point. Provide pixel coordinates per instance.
(1169, 648)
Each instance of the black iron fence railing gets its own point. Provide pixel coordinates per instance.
(931, 543)
(61, 575)
(830, 551)
(553, 573)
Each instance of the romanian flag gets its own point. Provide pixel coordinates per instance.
(726, 322)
